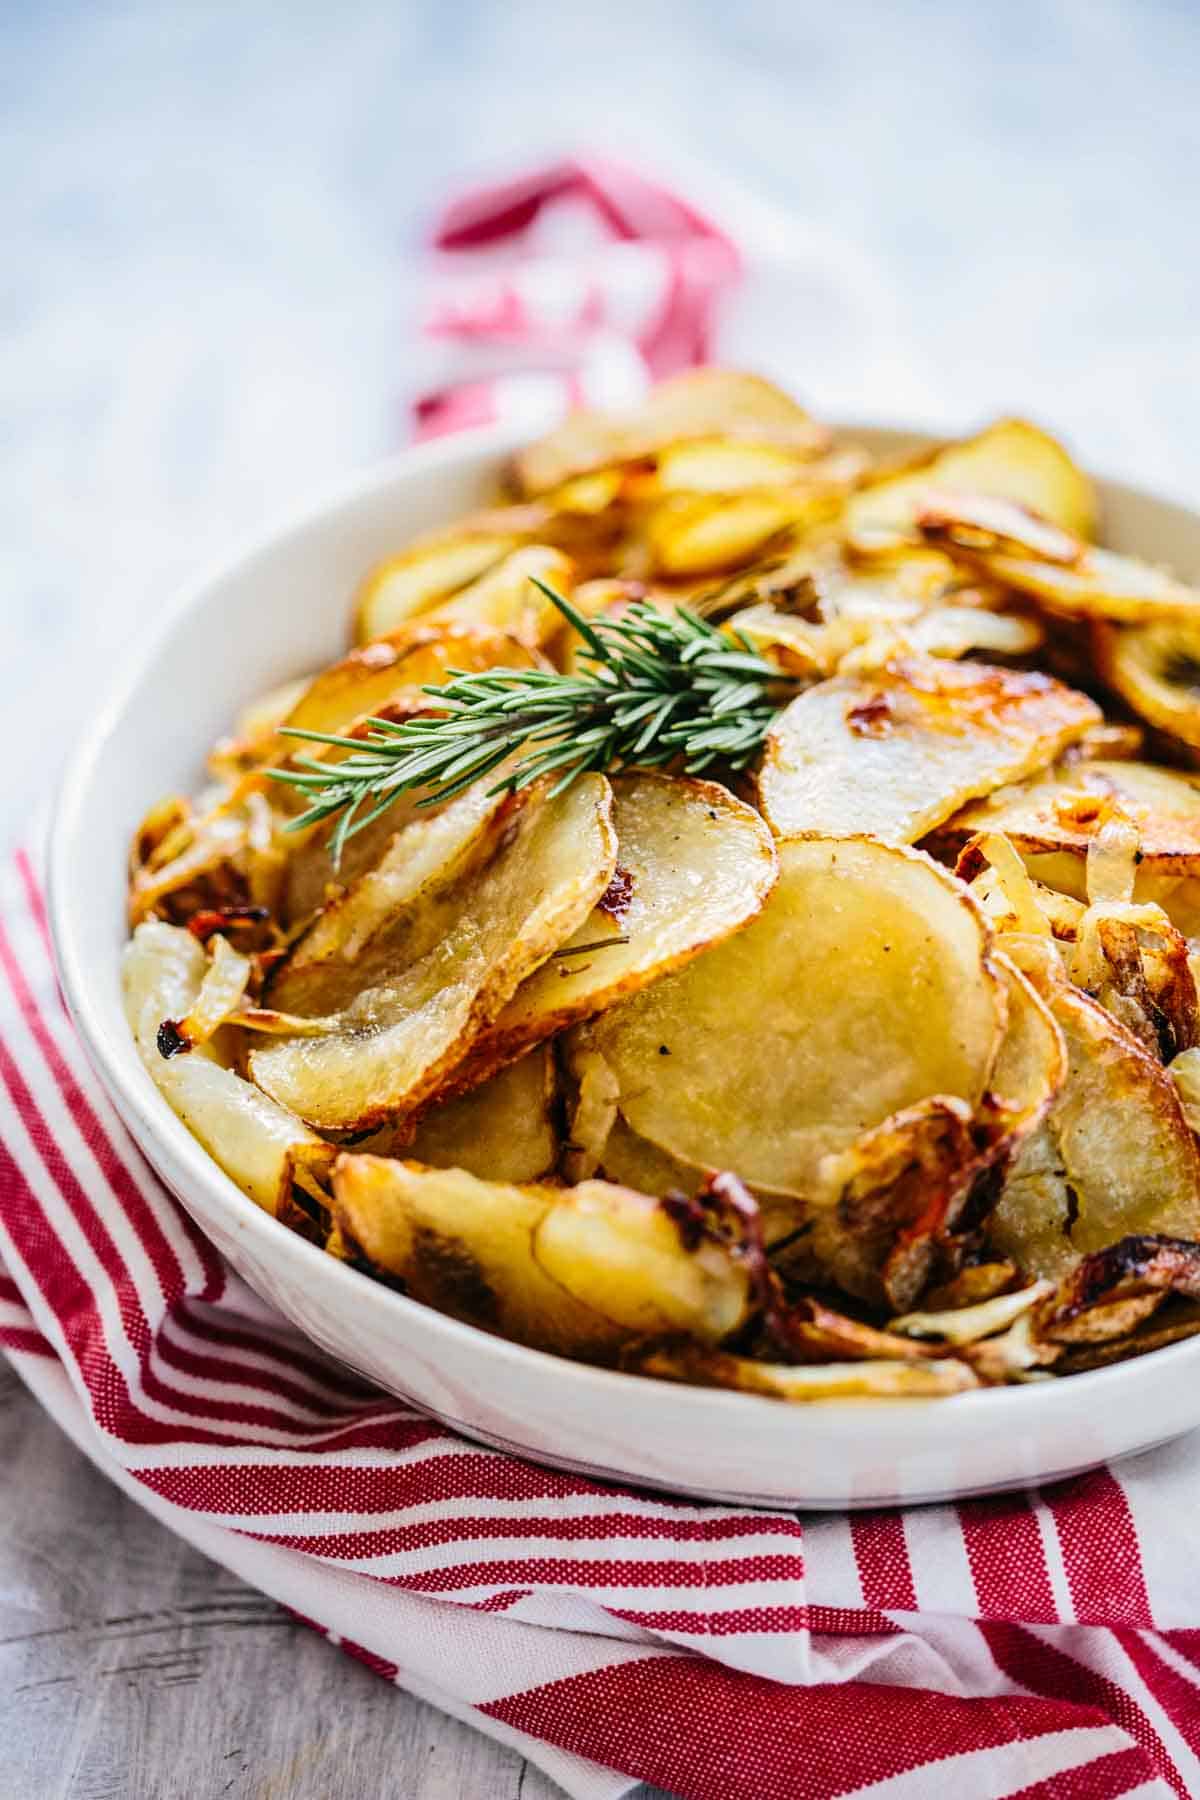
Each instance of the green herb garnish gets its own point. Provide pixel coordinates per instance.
(661, 688)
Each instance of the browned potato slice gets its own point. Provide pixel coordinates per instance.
(1031, 1063)
(420, 871)
(896, 752)
(743, 1061)
(452, 968)
(259, 1144)
(703, 403)
(580, 1271)
(633, 1161)
(1101, 585)
(693, 864)
(914, 1378)
(1155, 668)
(431, 570)
(1053, 819)
(1114, 1154)
(503, 1130)
(506, 599)
(395, 670)
(390, 675)
(1018, 549)
(690, 535)
(254, 740)
(725, 466)
(1012, 460)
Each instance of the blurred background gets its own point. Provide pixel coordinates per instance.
(212, 218)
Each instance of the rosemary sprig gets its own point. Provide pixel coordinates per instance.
(660, 688)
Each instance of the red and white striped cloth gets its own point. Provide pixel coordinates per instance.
(1044, 1644)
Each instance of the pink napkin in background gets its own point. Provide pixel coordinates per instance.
(1045, 1644)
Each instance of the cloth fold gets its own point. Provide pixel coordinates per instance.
(1045, 1643)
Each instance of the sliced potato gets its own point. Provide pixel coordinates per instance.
(1012, 460)
(1100, 585)
(689, 535)
(1114, 1154)
(914, 1378)
(633, 1161)
(1053, 819)
(1155, 667)
(341, 700)
(739, 1061)
(581, 1271)
(448, 974)
(254, 740)
(699, 404)
(1020, 550)
(259, 1144)
(431, 570)
(693, 865)
(503, 1130)
(1031, 1062)
(425, 862)
(506, 599)
(394, 671)
(896, 752)
(721, 465)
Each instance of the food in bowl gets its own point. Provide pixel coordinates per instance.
(728, 916)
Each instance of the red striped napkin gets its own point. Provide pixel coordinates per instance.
(1044, 1644)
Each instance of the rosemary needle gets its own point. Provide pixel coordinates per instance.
(657, 688)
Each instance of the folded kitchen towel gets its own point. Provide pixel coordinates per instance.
(1045, 1643)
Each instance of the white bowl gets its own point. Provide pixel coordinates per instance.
(277, 608)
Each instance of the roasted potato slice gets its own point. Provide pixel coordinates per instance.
(689, 535)
(394, 671)
(722, 465)
(1012, 460)
(693, 865)
(912, 1378)
(740, 1061)
(407, 891)
(1114, 1155)
(259, 1144)
(506, 598)
(503, 1130)
(1010, 545)
(1155, 668)
(1031, 1062)
(449, 973)
(581, 1271)
(700, 404)
(1053, 820)
(254, 738)
(896, 752)
(433, 569)
(622, 1156)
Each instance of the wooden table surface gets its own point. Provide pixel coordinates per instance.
(206, 306)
